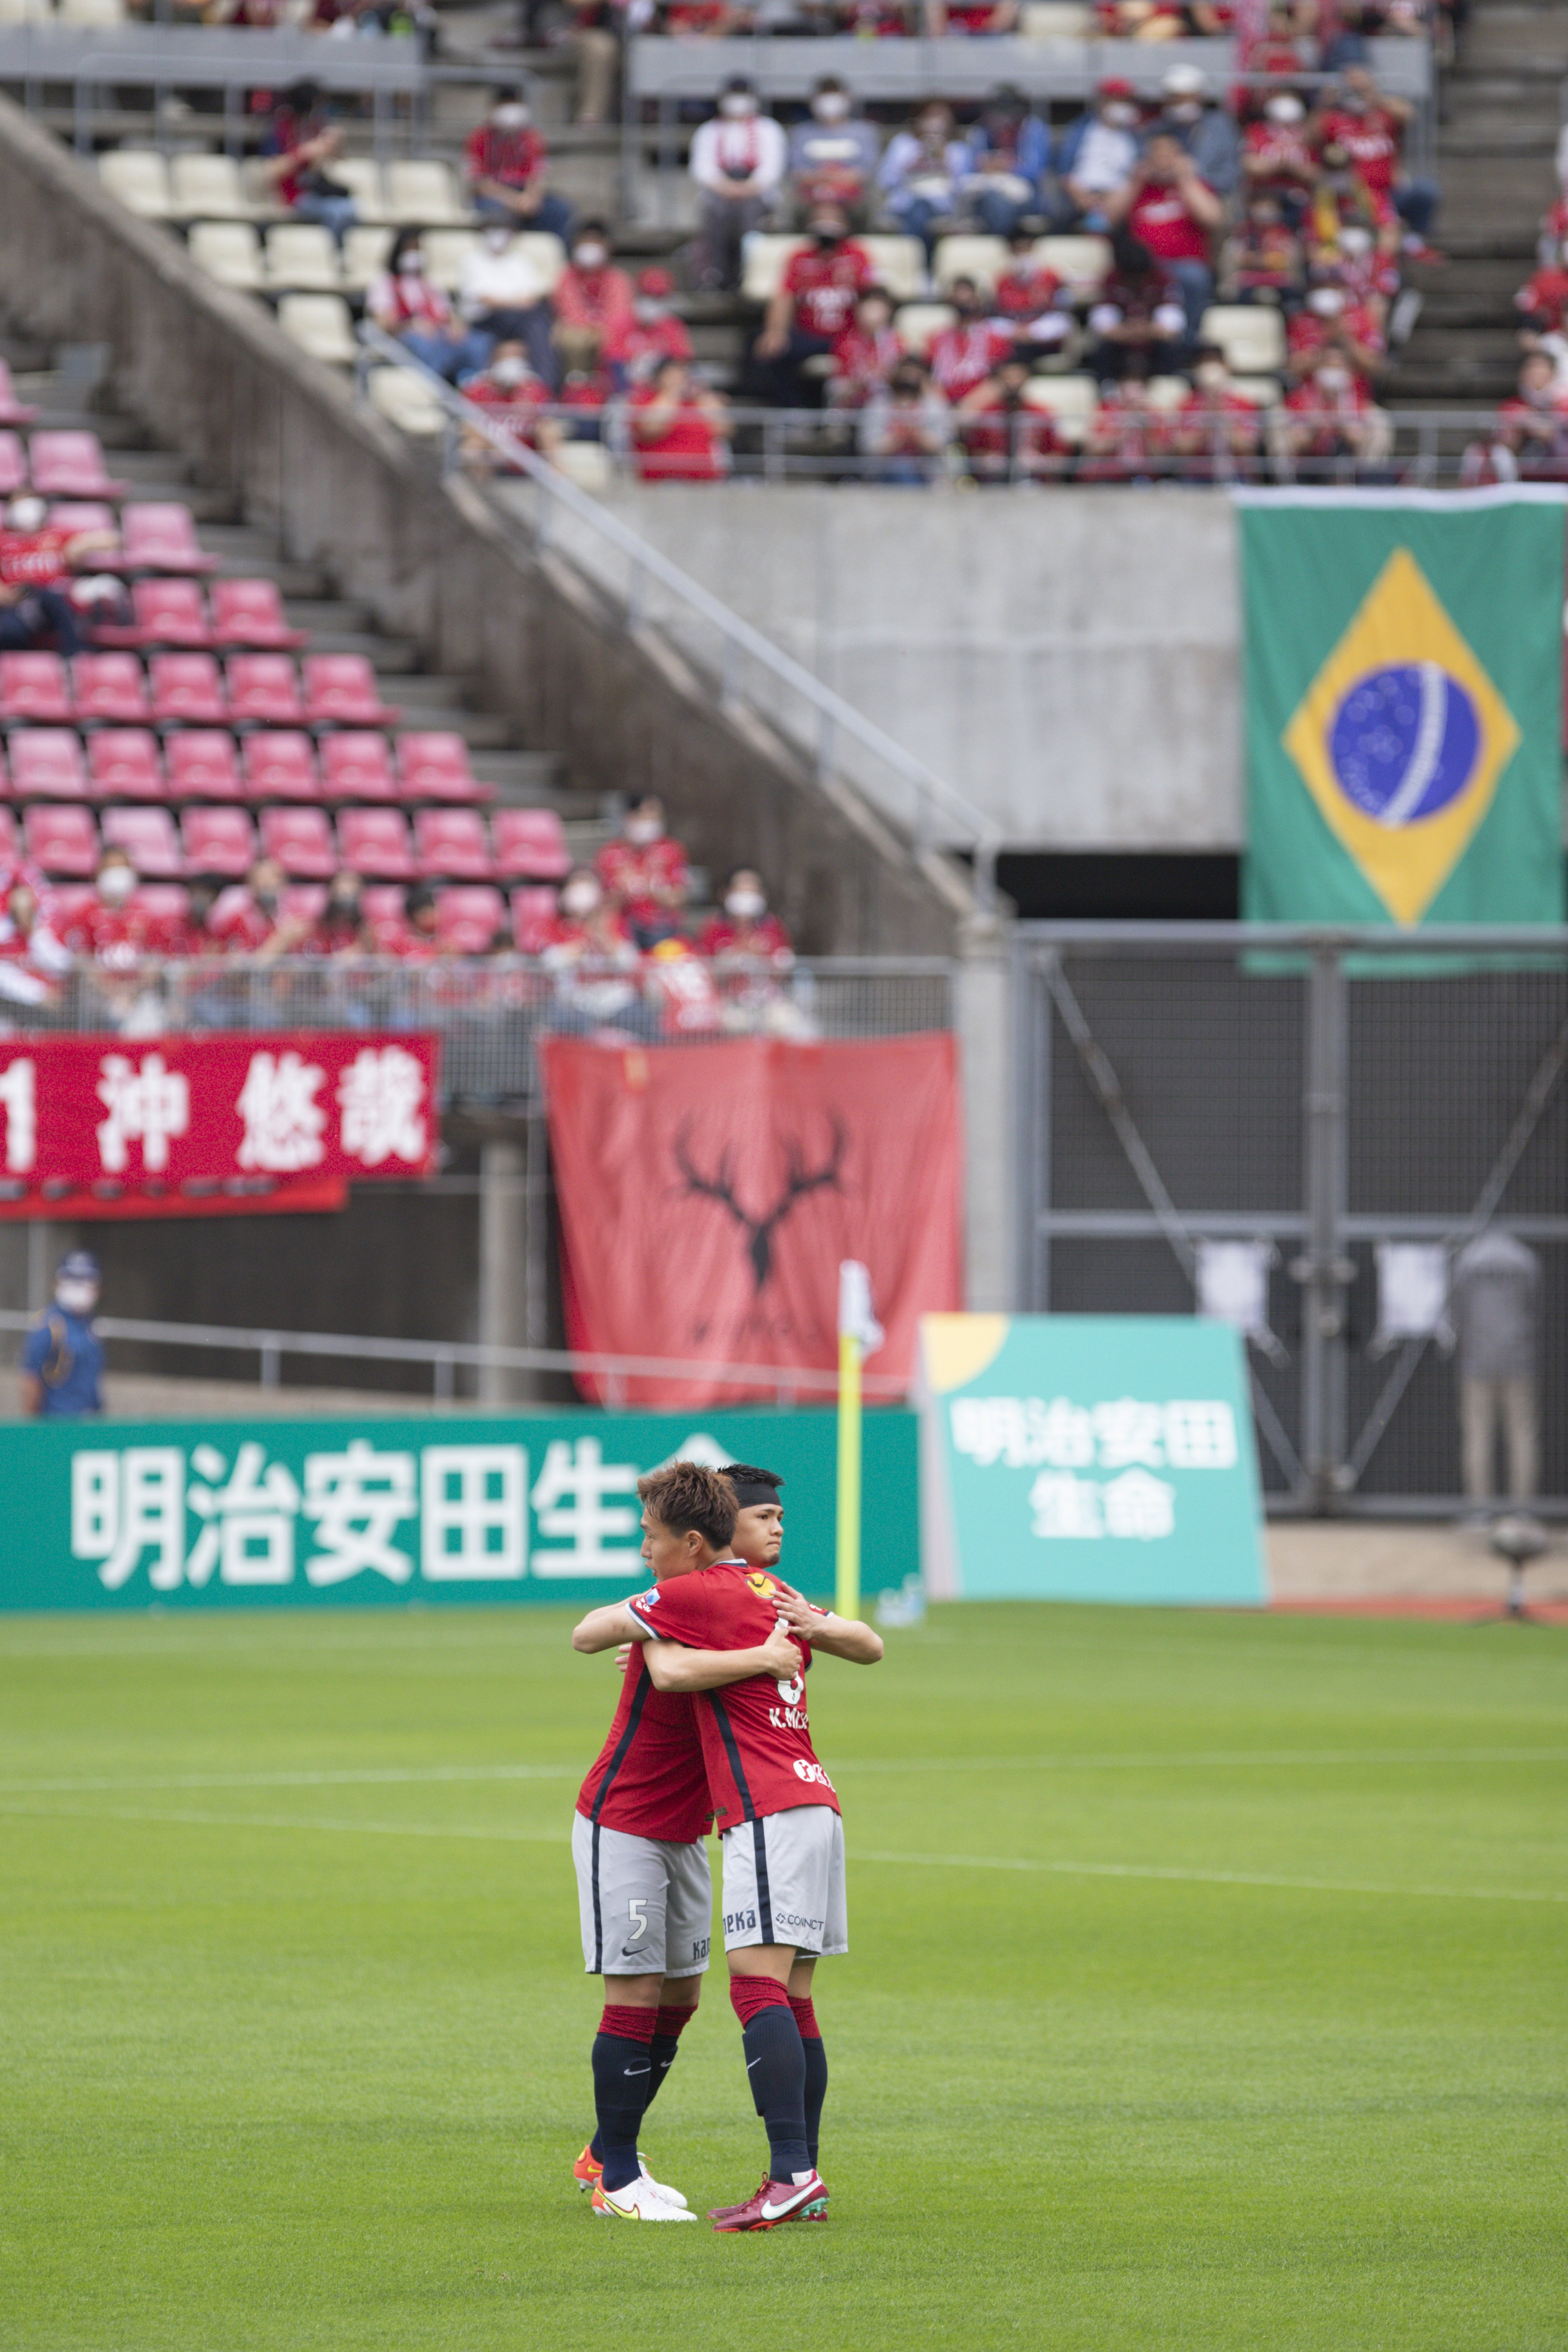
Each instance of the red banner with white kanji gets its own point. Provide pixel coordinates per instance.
(202, 1125)
(707, 1195)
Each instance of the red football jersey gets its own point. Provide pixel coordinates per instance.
(756, 1743)
(648, 1780)
(826, 285)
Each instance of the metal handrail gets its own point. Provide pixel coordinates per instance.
(830, 710)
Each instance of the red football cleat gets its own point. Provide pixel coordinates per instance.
(587, 2168)
(776, 2201)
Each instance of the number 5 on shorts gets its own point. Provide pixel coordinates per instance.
(637, 1909)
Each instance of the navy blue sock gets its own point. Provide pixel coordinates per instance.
(776, 2069)
(621, 2074)
(816, 2072)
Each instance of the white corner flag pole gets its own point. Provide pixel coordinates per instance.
(859, 1332)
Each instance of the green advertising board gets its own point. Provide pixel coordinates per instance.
(1088, 1457)
(427, 1508)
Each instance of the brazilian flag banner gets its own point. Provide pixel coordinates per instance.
(1404, 700)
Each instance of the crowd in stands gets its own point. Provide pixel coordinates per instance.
(1529, 440)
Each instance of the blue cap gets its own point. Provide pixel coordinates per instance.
(80, 1266)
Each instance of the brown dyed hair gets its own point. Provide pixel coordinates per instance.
(690, 1499)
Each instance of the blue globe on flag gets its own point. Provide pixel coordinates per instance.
(1404, 742)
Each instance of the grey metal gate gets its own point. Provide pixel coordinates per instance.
(1314, 1094)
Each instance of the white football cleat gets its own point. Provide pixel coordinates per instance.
(640, 2200)
(671, 2196)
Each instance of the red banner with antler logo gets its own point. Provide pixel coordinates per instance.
(708, 1193)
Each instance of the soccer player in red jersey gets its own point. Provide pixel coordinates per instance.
(644, 1893)
(778, 1818)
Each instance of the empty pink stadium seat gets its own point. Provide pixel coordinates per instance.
(167, 902)
(76, 515)
(340, 690)
(124, 765)
(62, 841)
(46, 764)
(250, 612)
(436, 768)
(187, 690)
(264, 691)
(203, 766)
(383, 906)
(148, 837)
(301, 841)
(452, 843)
(357, 767)
(529, 843)
(534, 910)
(375, 841)
(467, 920)
(12, 410)
(34, 686)
(171, 613)
(161, 538)
(110, 687)
(280, 765)
(70, 466)
(219, 841)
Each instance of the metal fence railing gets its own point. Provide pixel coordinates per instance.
(1309, 1100)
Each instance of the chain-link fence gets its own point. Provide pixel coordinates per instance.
(1258, 1123)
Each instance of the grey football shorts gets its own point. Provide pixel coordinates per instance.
(784, 1880)
(646, 1904)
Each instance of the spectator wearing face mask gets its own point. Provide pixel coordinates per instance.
(406, 304)
(501, 295)
(62, 1355)
(594, 964)
(1134, 324)
(1176, 215)
(815, 301)
(33, 960)
(113, 931)
(1332, 416)
(644, 873)
(656, 333)
(342, 927)
(36, 561)
(592, 299)
(1341, 200)
(1003, 438)
(1370, 277)
(1263, 260)
(1217, 434)
(678, 428)
(514, 399)
(249, 921)
(1370, 126)
(1096, 157)
(1009, 162)
(964, 354)
(1330, 322)
(1206, 131)
(833, 155)
(905, 428)
(865, 353)
(1529, 441)
(297, 161)
(746, 929)
(738, 160)
(1028, 296)
(1277, 158)
(505, 161)
(921, 173)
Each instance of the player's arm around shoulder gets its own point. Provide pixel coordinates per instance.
(839, 1637)
(606, 1629)
(673, 1667)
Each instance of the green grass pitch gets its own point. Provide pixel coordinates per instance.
(1207, 1990)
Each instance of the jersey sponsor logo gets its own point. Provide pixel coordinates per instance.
(761, 1583)
(805, 1770)
(739, 1923)
(793, 1690)
(797, 1919)
(788, 1719)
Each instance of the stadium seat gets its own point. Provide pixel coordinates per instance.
(547, 253)
(1082, 263)
(586, 463)
(13, 410)
(62, 841)
(361, 175)
(264, 691)
(84, 514)
(466, 922)
(407, 401)
(983, 258)
(12, 465)
(110, 689)
(201, 766)
(766, 259)
(321, 325)
(375, 841)
(366, 252)
(534, 910)
(250, 612)
(187, 690)
(304, 902)
(424, 194)
(70, 466)
(229, 251)
(35, 686)
(435, 768)
(340, 690)
(917, 324)
(303, 258)
(1167, 393)
(98, 15)
(208, 187)
(1055, 20)
(445, 251)
(1252, 336)
(167, 902)
(899, 263)
(301, 841)
(382, 906)
(530, 846)
(357, 767)
(167, 613)
(217, 841)
(162, 537)
(1071, 400)
(46, 764)
(148, 836)
(124, 765)
(452, 842)
(138, 178)
(1262, 390)
(280, 765)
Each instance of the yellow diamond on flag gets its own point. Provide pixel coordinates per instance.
(1401, 739)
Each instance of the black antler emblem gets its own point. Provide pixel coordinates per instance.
(799, 1181)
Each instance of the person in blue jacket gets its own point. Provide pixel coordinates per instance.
(62, 1355)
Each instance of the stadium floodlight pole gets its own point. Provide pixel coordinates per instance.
(858, 1334)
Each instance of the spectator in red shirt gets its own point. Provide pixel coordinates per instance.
(1277, 159)
(342, 927)
(1217, 434)
(645, 873)
(964, 354)
(297, 161)
(514, 398)
(32, 959)
(656, 332)
(505, 161)
(746, 929)
(594, 964)
(1531, 434)
(250, 920)
(1332, 416)
(593, 316)
(816, 299)
(1331, 322)
(1002, 436)
(1544, 301)
(865, 353)
(679, 427)
(1125, 439)
(1028, 296)
(112, 931)
(36, 560)
(405, 303)
(1263, 260)
(1370, 126)
(1174, 214)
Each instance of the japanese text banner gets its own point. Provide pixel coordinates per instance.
(105, 1123)
(708, 1194)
